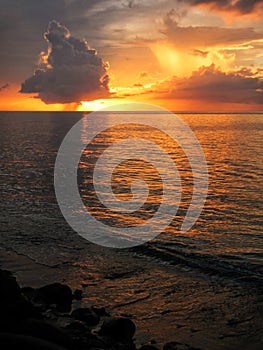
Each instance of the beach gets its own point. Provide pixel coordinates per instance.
(186, 305)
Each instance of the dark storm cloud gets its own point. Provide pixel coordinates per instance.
(22, 23)
(210, 84)
(242, 6)
(71, 72)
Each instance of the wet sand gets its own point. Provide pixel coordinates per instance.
(166, 302)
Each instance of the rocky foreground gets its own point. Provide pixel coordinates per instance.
(44, 318)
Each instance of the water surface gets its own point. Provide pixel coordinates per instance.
(226, 236)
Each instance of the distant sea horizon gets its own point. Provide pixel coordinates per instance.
(116, 111)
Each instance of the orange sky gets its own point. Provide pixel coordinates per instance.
(174, 54)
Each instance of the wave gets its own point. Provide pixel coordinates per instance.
(225, 265)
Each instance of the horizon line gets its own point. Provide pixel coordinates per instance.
(145, 111)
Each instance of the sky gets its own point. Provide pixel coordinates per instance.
(183, 55)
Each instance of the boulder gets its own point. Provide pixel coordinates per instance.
(55, 293)
(29, 293)
(9, 288)
(43, 330)
(100, 311)
(13, 305)
(119, 328)
(78, 326)
(178, 346)
(94, 342)
(15, 311)
(11, 341)
(86, 315)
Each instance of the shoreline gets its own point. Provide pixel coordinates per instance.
(165, 302)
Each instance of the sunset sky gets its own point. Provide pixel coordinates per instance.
(184, 55)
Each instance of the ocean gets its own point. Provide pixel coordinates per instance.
(225, 241)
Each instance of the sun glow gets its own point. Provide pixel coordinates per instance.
(175, 62)
(97, 105)
(182, 63)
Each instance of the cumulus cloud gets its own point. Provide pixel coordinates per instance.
(212, 85)
(241, 6)
(69, 72)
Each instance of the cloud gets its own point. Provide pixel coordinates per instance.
(143, 74)
(205, 36)
(241, 6)
(3, 87)
(210, 84)
(133, 4)
(184, 49)
(196, 52)
(70, 72)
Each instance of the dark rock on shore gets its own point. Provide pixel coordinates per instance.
(25, 316)
(11, 341)
(100, 311)
(76, 326)
(9, 288)
(56, 293)
(86, 315)
(178, 346)
(28, 292)
(118, 328)
(13, 305)
(16, 311)
(43, 330)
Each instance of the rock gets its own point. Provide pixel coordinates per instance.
(100, 311)
(15, 311)
(29, 293)
(178, 346)
(148, 347)
(93, 342)
(86, 315)
(9, 288)
(43, 330)
(13, 305)
(171, 346)
(11, 341)
(76, 326)
(56, 293)
(119, 328)
(77, 294)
